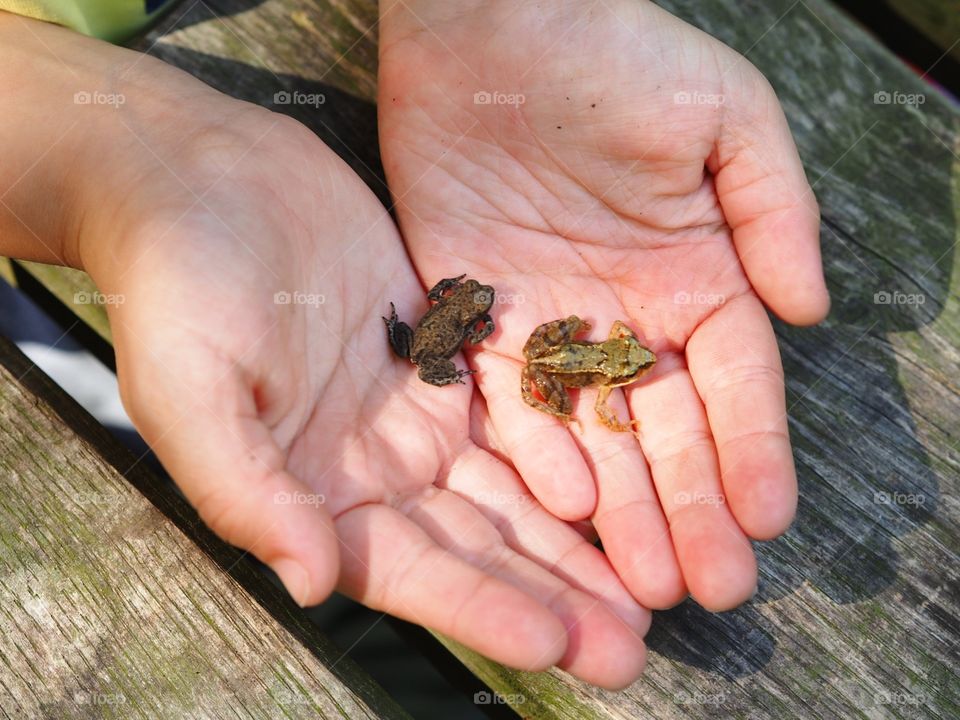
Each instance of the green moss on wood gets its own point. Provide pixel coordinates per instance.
(6, 271)
(74, 289)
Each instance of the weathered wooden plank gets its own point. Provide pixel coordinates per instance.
(939, 20)
(76, 290)
(6, 271)
(315, 61)
(340, 36)
(110, 610)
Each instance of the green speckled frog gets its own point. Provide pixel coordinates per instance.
(555, 362)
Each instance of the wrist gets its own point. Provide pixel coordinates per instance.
(60, 135)
(88, 134)
(37, 135)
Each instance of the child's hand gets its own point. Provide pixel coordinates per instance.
(251, 269)
(610, 161)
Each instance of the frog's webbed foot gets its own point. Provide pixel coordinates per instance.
(437, 291)
(555, 401)
(609, 418)
(552, 334)
(483, 331)
(399, 334)
(442, 372)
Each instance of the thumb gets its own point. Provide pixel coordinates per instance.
(768, 203)
(209, 437)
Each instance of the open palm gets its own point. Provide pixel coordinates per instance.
(248, 274)
(607, 160)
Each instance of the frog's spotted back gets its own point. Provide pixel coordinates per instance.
(460, 312)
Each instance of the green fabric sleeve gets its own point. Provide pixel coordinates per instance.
(113, 20)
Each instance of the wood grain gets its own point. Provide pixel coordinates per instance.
(76, 290)
(6, 271)
(110, 610)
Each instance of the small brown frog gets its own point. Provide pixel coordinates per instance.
(555, 362)
(460, 307)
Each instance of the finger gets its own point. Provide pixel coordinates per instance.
(496, 492)
(628, 517)
(635, 534)
(739, 377)
(600, 649)
(769, 205)
(715, 556)
(485, 436)
(539, 445)
(206, 432)
(392, 565)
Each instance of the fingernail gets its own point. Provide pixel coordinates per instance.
(294, 578)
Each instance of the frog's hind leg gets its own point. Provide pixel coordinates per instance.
(399, 334)
(608, 417)
(483, 331)
(442, 372)
(437, 291)
(555, 401)
(551, 334)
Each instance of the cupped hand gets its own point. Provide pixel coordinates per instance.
(247, 269)
(610, 161)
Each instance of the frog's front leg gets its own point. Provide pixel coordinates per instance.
(441, 372)
(555, 401)
(437, 291)
(399, 334)
(483, 331)
(552, 334)
(608, 417)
